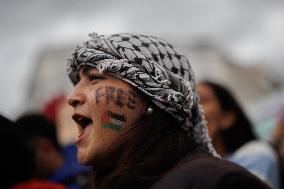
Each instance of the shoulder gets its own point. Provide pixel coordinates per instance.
(254, 154)
(206, 172)
(256, 147)
(260, 158)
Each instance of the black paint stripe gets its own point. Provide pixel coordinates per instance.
(116, 116)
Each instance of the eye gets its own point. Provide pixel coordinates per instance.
(94, 77)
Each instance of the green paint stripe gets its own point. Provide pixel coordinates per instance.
(111, 126)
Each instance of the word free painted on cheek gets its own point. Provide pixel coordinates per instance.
(117, 96)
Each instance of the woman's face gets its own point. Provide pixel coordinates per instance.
(103, 107)
(212, 109)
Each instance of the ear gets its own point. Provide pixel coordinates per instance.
(227, 120)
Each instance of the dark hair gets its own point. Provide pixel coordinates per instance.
(153, 146)
(35, 125)
(17, 160)
(241, 130)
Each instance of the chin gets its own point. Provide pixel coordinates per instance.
(85, 158)
(84, 161)
(81, 160)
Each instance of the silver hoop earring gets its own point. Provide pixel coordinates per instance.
(149, 111)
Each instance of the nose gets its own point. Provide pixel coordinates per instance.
(76, 96)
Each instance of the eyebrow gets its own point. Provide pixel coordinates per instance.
(86, 70)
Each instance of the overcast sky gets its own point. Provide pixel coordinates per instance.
(250, 31)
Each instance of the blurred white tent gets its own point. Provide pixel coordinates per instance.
(237, 43)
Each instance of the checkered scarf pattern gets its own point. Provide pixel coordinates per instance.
(153, 66)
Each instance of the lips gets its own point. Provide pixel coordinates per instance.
(84, 124)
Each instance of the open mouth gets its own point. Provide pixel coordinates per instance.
(83, 122)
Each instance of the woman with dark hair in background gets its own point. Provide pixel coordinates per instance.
(139, 119)
(277, 139)
(232, 133)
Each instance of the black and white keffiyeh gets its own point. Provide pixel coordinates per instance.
(153, 66)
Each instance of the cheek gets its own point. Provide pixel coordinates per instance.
(115, 107)
(135, 114)
(213, 117)
(116, 97)
(117, 118)
(212, 111)
(115, 121)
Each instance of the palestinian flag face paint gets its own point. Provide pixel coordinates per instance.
(113, 121)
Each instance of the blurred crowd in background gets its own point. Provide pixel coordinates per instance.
(235, 48)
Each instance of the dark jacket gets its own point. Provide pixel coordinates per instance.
(202, 171)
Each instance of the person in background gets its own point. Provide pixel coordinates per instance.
(17, 165)
(139, 120)
(51, 163)
(277, 139)
(59, 112)
(232, 133)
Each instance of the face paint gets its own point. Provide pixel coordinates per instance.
(110, 94)
(121, 97)
(131, 100)
(99, 94)
(116, 96)
(113, 121)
